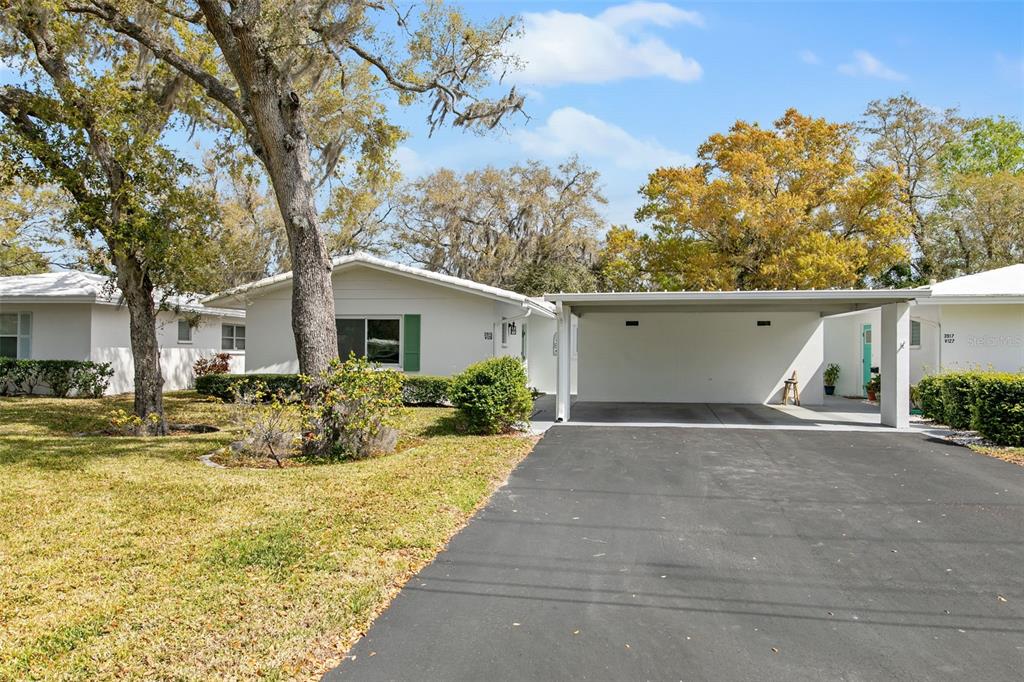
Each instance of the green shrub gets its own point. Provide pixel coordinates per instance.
(223, 386)
(998, 407)
(351, 410)
(929, 396)
(958, 398)
(426, 390)
(62, 377)
(831, 374)
(492, 395)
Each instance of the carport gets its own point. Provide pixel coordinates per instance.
(720, 347)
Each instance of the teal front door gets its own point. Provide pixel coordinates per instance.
(865, 336)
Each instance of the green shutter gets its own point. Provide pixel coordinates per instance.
(411, 359)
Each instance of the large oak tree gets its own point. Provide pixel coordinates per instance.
(86, 120)
(303, 83)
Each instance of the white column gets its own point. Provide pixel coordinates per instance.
(563, 391)
(895, 365)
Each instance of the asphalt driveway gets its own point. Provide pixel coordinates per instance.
(663, 553)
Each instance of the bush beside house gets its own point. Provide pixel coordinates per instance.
(991, 403)
(492, 395)
(62, 378)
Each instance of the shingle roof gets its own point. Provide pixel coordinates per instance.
(73, 286)
(235, 296)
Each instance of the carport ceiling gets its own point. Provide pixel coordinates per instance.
(826, 301)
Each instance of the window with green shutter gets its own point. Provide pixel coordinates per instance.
(411, 355)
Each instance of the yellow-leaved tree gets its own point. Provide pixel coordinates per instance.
(780, 208)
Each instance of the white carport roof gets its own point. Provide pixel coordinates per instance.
(825, 301)
(74, 286)
(1002, 285)
(237, 297)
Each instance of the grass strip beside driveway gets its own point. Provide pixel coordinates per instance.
(126, 557)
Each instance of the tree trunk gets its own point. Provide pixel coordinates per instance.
(285, 151)
(137, 289)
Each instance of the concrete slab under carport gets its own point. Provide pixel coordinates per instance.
(835, 414)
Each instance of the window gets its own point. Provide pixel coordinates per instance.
(915, 334)
(376, 338)
(16, 335)
(184, 331)
(232, 337)
(504, 334)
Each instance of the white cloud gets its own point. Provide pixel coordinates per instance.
(657, 13)
(867, 65)
(411, 163)
(571, 131)
(561, 47)
(808, 57)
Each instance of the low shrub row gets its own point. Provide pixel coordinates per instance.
(223, 385)
(492, 396)
(991, 403)
(62, 378)
(416, 390)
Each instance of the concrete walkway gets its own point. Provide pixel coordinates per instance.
(835, 414)
(619, 553)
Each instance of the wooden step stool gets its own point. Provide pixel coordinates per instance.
(791, 385)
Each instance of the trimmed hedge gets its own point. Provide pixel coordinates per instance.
(426, 390)
(492, 395)
(991, 403)
(958, 398)
(222, 385)
(998, 412)
(416, 389)
(83, 378)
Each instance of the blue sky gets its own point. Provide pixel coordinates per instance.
(629, 86)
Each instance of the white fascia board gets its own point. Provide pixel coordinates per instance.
(978, 299)
(825, 295)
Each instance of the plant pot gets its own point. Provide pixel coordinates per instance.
(830, 390)
(872, 396)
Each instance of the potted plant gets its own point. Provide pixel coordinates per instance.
(831, 375)
(873, 386)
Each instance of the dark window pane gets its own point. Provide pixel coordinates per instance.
(351, 337)
(227, 343)
(382, 341)
(8, 346)
(240, 344)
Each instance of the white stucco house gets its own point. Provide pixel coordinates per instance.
(403, 317)
(970, 322)
(70, 315)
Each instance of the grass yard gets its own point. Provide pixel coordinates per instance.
(1015, 455)
(126, 557)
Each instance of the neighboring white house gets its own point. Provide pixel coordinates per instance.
(71, 315)
(403, 317)
(970, 322)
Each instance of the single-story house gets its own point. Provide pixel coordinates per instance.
(403, 317)
(970, 322)
(71, 315)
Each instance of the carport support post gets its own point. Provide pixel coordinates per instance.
(563, 382)
(895, 365)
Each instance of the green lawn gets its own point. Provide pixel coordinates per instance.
(126, 557)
